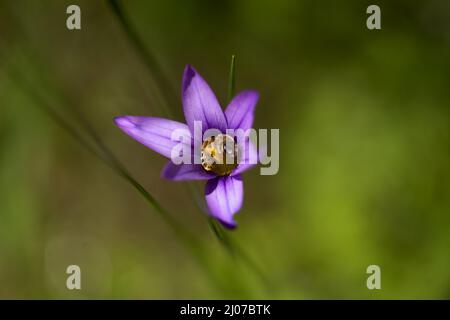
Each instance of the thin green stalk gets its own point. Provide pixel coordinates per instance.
(232, 78)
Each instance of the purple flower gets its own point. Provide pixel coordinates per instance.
(224, 190)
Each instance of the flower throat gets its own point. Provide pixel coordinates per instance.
(219, 154)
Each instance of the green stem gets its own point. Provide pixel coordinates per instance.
(232, 78)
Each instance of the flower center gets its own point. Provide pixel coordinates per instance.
(219, 154)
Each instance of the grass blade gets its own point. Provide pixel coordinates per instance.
(232, 78)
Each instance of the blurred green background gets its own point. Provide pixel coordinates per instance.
(364, 174)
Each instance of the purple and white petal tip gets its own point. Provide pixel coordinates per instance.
(224, 197)
(154, 133)
(240, 111)
(200, 103)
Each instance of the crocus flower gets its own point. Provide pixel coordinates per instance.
(224, 188)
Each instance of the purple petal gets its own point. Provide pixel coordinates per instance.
(185, 172)
(224, 197)
(239, 112)
(249, 158)
(155, 133)
(200, 103)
